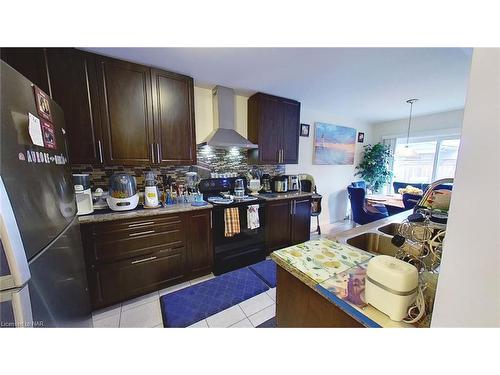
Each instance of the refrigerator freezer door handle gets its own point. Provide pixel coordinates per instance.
(12, 244)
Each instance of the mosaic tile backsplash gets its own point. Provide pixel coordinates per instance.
(209, 160)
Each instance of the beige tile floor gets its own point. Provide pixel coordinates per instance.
(145, 311)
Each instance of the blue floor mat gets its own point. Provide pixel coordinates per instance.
(190, 305)
(266, 270)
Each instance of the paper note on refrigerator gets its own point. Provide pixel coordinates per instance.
(35, 130)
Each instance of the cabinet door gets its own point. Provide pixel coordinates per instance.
(199, 237)
(278, 224)
(126, 112)
(291, 127)
(116, 282)
(73, 80)
(270, 130)
(173, 109)
(30, 62)
(301, 220)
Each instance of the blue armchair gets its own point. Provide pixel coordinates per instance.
(439, 187)
(360, 214)
(411, 200)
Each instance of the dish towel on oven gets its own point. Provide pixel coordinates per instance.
(231, 222)
(253, 216)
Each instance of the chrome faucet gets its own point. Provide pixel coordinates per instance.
(430, 189)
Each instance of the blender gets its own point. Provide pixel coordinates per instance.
(192, 182)
(150, 190)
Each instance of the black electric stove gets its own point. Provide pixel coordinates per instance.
(243, 248)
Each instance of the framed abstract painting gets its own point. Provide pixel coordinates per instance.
(334, 144)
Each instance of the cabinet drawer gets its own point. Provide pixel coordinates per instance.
(111, 283)
(124, 227)
(109, 246)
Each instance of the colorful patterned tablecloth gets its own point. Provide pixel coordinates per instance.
(322, 259)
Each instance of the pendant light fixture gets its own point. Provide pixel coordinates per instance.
(407, 151)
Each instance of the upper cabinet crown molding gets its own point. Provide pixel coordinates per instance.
(274, 124)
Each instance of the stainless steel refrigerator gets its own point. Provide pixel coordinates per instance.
(42, 271)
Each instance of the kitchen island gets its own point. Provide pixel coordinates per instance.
(312, 283)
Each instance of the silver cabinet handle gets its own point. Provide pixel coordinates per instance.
(291, 208)
(153, 153)
(99, 147)
(141, 224)
(142, 260)
(294, 207)
(211, 225)
(141, 233)
(158, 157)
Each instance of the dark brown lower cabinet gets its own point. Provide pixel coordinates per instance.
(200, 253)
(278, 221)
(301, 220)
(128, 258)
(299, 306)
(288, 222)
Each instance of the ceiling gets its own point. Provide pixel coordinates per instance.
(366, 84)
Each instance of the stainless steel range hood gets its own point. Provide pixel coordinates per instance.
(224, 134)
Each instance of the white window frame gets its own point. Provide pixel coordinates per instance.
(392, 140)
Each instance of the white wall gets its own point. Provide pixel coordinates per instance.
(331, 180)
(468, 292)
(443, 123)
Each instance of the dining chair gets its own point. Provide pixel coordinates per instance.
(360, 214)
(359, 184)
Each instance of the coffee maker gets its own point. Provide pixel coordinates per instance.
(83, 194)
(293, 182)
(266, 183)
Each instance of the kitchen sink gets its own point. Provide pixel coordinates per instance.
(381, 245)
(373, 243)
(390, 229)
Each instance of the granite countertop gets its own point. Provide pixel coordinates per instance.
(325, 265)
(108, 215)
(279, 196)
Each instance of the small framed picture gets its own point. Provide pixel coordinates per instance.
(361, 137)
(42, 104)
(304, 130)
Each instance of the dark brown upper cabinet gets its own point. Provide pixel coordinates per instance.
(173, 118)
(116, 112)
(31, 63)
(73, 80)
(126, 112)
(274, 124)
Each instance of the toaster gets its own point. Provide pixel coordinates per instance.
(391, 286)
(293, 182)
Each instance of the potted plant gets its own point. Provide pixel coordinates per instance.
(374, 168)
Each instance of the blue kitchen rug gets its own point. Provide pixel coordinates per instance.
(266, 271)
(190, 305)
(271, 323)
